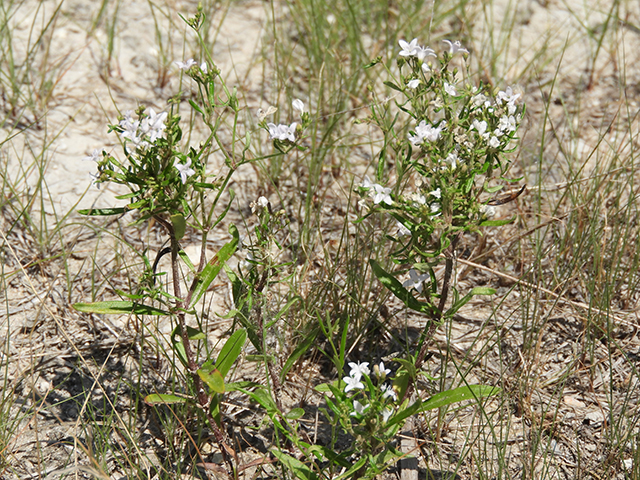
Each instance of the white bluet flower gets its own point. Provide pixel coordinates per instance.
(298, 105)
(389, 392)
(204, 68)
(282, 132)
(358, 409)
(359, 369)
(450, 89)
(480, 126)
(436, 193)
(455, 47)
(413, 83)
(95, 156)
(423, 52)
(409, 49)
(185, 170)
(386, 414)
(186, 65)
(415, 280)
(380, 370)
(494, 142)
(352, 383)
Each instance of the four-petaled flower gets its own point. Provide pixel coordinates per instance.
(185, 170)
(95, 156)
(450, 89)
(415, 280)
(358, 408)
(359, 369)
(455, 47)
(282, 132)
(389, 392)
(413, 83)
(408, 49)
(377, 192)
(186, 65)
(353, 383)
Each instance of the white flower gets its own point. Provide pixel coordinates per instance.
(452, 158)
(389, 392)
(435, 210)
(488, 210)
(204, 68)
(418, 199)
(409, 49)
(481, 126)
(426, 132)
(450, 89)
(494, 142)
(455, 47)
(298, 105)
(95, 156)
(413, 83)
(186, 65)
(153, 125)
(358, 408)
(386, 414)
(422, 53)
(381, 371)
(377, 192)
(282, 132)
(415, 280)
(185, 170)
(402, 230)
(352, 383)
(359, 369)
(507, 123)
(436, 193)
(95, 180)
(261, 203)
(426, 68)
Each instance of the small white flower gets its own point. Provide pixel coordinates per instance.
(426, 68)
(450, 89)
(381, 194)
(95, 156)
(494, 142)
(418, 199)
(455, 47)
(422, 53)
(507, 123)
(263, 202)
(358, 409)
(413, 83)
(186, 65)
(352, 383)
(204, 68)
(452, 158)
(435, 209)
(359, 369)
(480, 126)
(409, 49)
(95, 180)
(381, 371)
(488, 210)
(436, 193)
(415, 280)
(389, 392)
(402, 230)
(282, 132)
(298, 105)
(185, 170)
(386, 414)
(426, 132)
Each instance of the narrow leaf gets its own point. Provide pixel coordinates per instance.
(497, 223)
(163, 398)
(118, 307)
(179, 225)
(399, 291)
(467, 392)
(230, 351)
(213, 379)
(210, 272)
(102, 211)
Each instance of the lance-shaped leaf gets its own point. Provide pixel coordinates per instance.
(102, 211)
(213, 379)
(118, 307)
(399, 291)
(466, 392)
(231, 351)
(210, 271)
(163, 398)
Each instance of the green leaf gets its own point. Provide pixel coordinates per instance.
(230, 351)
(405, 413)
(185, 258)
(163, 398)
(213, 379)
(497, 223)
(210, 272)
(373, 63)
(457, 305)
(299, 469)
(467, 392)
(118, 307)
(102, 211)
(179, 225)
(195, 334)
(295, 414)
(262, 396)
(393, 86)
(322, 388)
(399, 291)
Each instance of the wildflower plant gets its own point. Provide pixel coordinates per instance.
(447, 171)
(172, 184)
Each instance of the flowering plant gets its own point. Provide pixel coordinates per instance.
(447, 165)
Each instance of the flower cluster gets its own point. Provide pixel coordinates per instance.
(145, 131)
(360, 379)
